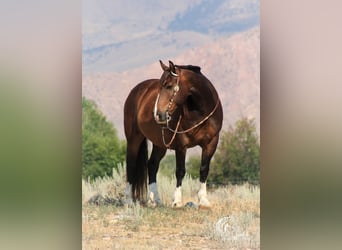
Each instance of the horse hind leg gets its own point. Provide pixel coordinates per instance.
(136, 166)
(207, 153)
(128, 193)
(131, 155)
(153, 165)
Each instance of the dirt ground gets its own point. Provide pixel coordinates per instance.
(120, 227)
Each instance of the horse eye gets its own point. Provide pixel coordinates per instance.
(169, 87)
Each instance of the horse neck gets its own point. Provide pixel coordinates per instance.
(204, 94)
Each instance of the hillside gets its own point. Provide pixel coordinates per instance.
(121, 35)
(232, 63)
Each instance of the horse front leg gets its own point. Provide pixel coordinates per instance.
(207, 153)
(153, 165)
(180, 173)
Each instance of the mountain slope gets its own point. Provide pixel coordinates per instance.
(121, 35)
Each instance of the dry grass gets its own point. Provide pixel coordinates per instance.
(232, 223)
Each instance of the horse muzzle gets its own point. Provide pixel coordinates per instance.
(162, 117)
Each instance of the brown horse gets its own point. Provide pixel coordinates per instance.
(178, 111)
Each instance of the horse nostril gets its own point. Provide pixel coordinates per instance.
(161, 116)
(158, 116)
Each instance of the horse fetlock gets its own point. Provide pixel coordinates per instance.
(177, 204)
(128, 192)
(202, 196)
(154, 200)
(129, 201)
(177, 198)
(151, 197)
(154, 196)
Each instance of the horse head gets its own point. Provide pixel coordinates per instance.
(172, 94)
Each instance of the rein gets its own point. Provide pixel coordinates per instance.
(187, 130)
(196, 125)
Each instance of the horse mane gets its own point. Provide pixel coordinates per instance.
(193, 68)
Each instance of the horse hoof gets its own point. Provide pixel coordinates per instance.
(154, 204)
(204, 203)
(129, 202)
(177, 204)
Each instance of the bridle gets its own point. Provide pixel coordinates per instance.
(168, 117)
(175, 90)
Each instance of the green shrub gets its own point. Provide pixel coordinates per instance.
(237, 158)
(101, 148)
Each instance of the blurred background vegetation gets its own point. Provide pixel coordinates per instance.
(102, 150)
(237, 158)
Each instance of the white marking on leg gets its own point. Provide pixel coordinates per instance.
(202, 195)
(177, 197)
(128, 193)
(154, 196)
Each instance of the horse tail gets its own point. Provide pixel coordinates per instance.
(139, 182)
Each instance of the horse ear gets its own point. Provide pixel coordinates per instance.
(172, 67)
(163, 66)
